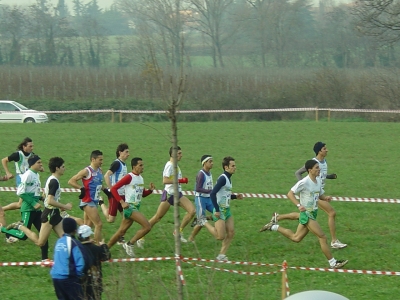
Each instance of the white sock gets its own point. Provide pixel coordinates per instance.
(274, 227)
(332, 262)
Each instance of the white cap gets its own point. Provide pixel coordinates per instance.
(85, 231)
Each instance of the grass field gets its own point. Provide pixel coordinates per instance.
(364, 156)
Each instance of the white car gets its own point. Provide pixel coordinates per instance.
(14, 112)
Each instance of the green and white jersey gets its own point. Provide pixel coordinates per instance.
(169, 173)
(30, 184)
(224, 194)
(323, 166)
(22, 165)
(309, 192)
(57, 193)
(134, 189)
(29, 190)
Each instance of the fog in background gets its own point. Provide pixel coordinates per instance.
(106, 3)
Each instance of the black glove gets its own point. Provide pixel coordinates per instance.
(331, 176)
(41, 198)
(107, 192)
(83, 192)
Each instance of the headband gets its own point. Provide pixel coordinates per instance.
(206, 159)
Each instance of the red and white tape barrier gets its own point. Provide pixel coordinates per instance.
(230, 262)
(368, 272)
(192, 260)
(247, 195)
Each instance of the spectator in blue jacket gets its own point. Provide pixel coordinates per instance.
(69, 263)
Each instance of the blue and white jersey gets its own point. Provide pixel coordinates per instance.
(204, 182)
(119, 171)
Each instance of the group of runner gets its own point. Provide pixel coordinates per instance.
(125, 190)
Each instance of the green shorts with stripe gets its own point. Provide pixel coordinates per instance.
(131, 209)
(306, 215)
(225, 214)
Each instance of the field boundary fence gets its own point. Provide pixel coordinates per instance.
(317, 111)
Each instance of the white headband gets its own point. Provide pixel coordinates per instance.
(205, 160)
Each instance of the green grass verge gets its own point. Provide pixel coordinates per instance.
(267, 153)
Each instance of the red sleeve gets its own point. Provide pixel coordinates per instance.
(124, 181)
(146, 192)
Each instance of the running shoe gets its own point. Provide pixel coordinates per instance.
(11, 240)
(339, 264)
(14, 225)
(274, 218)
(222, 257)
(267, 226)
(140, 243)
(338, 245)
(183, 240)
(129, 249)
(64, 214)
(46, 263)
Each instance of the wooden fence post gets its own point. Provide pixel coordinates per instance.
(329, 114)
(112, 115)
(316, 114)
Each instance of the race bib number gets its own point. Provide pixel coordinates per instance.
(97, 193)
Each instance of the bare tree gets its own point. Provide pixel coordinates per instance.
(172, 94)
(378, 18)
(162, 17)
(212, 18)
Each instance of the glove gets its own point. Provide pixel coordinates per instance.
(41, 198)
(183, 180)
(82, 195)
(107, 192)
(331, 176)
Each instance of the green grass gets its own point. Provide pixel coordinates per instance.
(363, 155)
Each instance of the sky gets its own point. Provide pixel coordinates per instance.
(102, 3)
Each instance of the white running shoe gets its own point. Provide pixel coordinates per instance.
(267, 226)
(129, 249)
(338, 245)
(11, 240)
(274, 218)
(222, 257)
(64, 214)
(339, 264)
(183, 240)
(46, 263)
(140, 243)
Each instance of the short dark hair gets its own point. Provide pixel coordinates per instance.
(135, 161)
(24, 142)
(121, 148)
(310, 164)
(204, 157)
(226, 160)
(54, 163)
(172, 148)
(95, 154)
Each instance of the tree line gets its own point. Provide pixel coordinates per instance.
(218, 33)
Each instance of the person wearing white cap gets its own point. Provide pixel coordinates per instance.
(93, 283)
